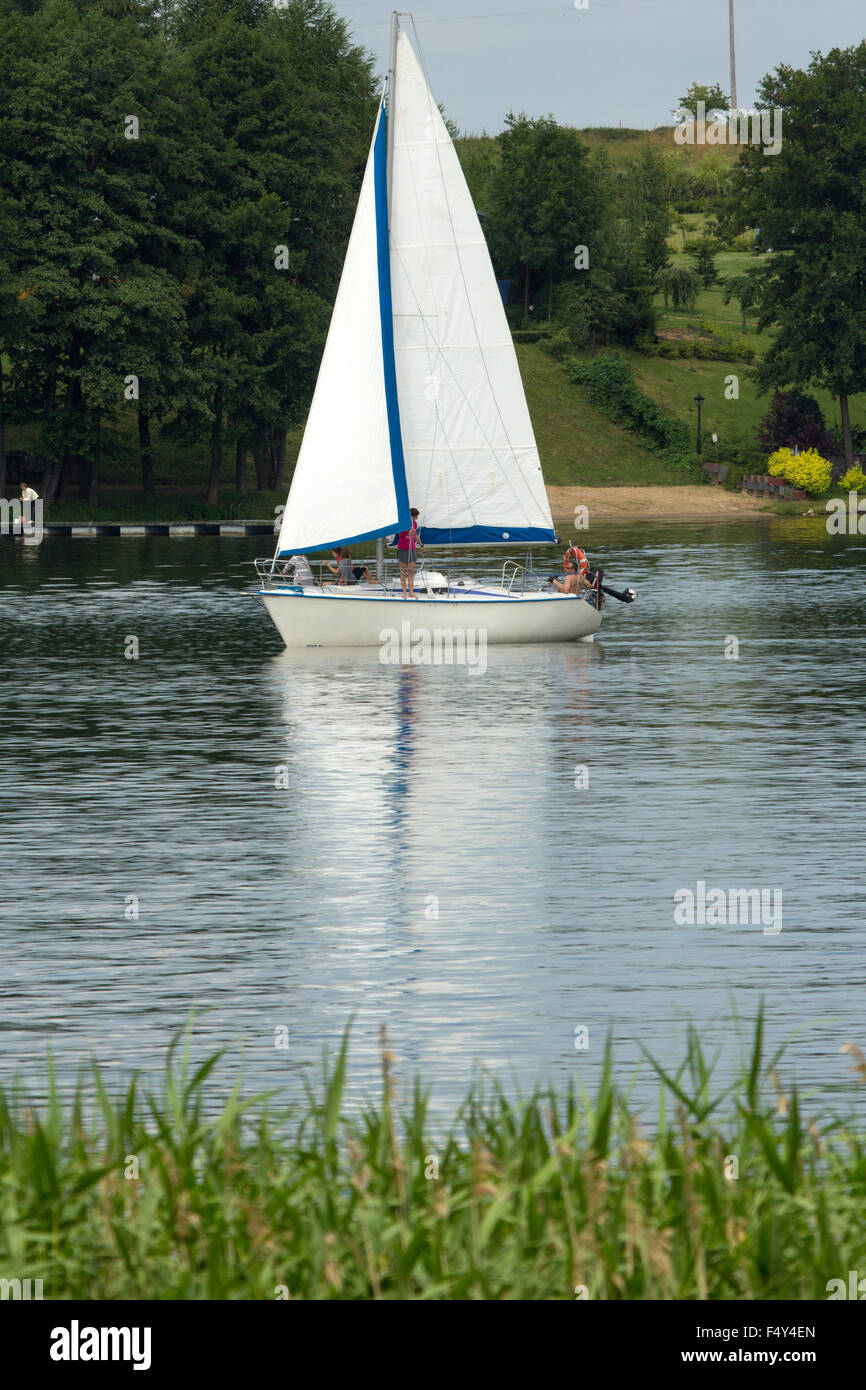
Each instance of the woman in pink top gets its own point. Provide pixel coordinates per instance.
(406, 543)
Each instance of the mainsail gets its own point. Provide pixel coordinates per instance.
(472, 464)
(419, 397)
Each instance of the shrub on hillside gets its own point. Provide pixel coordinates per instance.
(807, 470)
(743, 455)
(728, 348)
(571, 312)
(559, 344)
(609, 383)
(853, 480)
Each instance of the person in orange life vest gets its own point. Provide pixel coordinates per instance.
(406, 543)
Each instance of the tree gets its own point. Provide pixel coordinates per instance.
(714, 99)
(85, 247)
(744, 289)
(280, 110)
(542, 201)
(143, 252)
(705, 262)
(811, 197)
(17, 309)
(645, 208)
(679, 284)
(794, 420)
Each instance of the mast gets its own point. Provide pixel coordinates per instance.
(389, 130)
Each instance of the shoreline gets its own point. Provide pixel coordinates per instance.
(653, 502)
(658, 502)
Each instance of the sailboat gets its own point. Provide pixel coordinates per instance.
(419, 402)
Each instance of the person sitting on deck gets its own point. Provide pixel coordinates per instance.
(300, 570)
(574, 582)
(346, 572)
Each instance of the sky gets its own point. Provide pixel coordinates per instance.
(616, 62)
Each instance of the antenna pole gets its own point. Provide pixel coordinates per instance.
(733, 61)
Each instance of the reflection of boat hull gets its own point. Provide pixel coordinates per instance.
(312, 618)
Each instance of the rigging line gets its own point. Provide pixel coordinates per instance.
(451, 18)
(527, 485)
(517, 14)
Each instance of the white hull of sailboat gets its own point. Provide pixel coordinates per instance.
(314, 618)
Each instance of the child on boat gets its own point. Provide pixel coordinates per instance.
(406, 543)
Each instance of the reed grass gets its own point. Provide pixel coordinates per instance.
(553, 1196)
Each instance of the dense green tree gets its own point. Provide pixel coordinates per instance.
(87, 243)
(744, 289)
(17, 311)
(542, 202)
(705, 261)
(645, 208)
(811, 198)
(177, 187)
(281, 109)
(613, 296)
(713, 97)
(680, 285)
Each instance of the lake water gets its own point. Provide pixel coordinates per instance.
(430, 863)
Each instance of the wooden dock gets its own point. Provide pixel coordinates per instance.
(162, 528)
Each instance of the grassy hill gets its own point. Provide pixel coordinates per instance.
(576, 442)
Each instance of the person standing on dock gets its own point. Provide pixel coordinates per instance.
(28, 497)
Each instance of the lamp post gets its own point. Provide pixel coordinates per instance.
(699, 400)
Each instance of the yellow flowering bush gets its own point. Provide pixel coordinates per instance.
(853, 480)
(807, 470)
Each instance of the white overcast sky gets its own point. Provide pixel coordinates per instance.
(618, 61)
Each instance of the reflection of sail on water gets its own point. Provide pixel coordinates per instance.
(388, 798)
(426, 807)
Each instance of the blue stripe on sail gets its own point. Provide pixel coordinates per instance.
(339, 540)
(487, 535)
(398, 466)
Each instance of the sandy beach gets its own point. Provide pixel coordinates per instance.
(691, 502)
